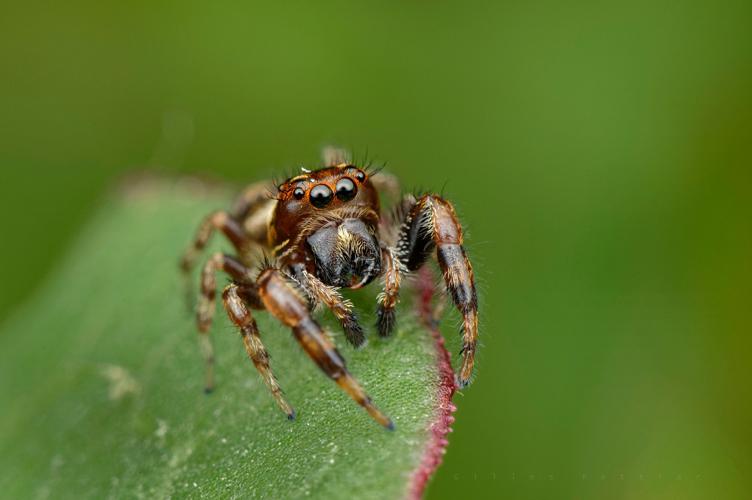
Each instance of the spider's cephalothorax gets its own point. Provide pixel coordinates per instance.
(325, 231)
(327, 223)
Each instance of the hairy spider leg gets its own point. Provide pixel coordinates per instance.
(431, 223)
(283, 302)
(216, 221)
(389, 297)
(205, 311)
(231, 224)
(240, 315)
(333, 300)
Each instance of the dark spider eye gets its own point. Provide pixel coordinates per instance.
(346, 189)
(298, 193)
(321, 195)
(360, 176)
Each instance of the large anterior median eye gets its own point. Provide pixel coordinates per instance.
(346, 189)
(321, 195)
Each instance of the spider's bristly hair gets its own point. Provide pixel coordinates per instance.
(356, 160)
(419, 191)
(277, 182)
(273, 195)
(370, 166)
(443, 188)
(287, 174)
(267, 262)
(373, 170)
(332, 155)
(365, 163)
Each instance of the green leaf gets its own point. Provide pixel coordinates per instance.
(101, 382)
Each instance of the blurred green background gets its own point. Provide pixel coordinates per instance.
(598, 154)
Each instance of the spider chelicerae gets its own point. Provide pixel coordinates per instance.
(324, 230)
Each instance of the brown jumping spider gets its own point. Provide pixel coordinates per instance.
(324, 231)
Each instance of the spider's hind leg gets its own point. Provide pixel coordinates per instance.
(241, 316)
(205, 312)
(219, 221)
(244, 226)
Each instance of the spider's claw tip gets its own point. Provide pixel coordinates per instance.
(461, 382)
(208, 389)
(354, 332)
(389, 425)
(291, 416)
(385, 322)
(358, 341)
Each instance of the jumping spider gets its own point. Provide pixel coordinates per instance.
(324, 231)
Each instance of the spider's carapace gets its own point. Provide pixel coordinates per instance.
(324, 230)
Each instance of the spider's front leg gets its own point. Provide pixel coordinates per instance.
(432, 223)
(333, 300)
(388, 298)
(282, 301)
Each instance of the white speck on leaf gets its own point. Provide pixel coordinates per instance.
(121, 382)
(162, 429)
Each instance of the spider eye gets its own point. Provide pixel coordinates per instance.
(321, 195)
(298, 193)
(360, 176)
(346, 189)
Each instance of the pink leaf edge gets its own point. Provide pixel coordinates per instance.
(440, 426)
